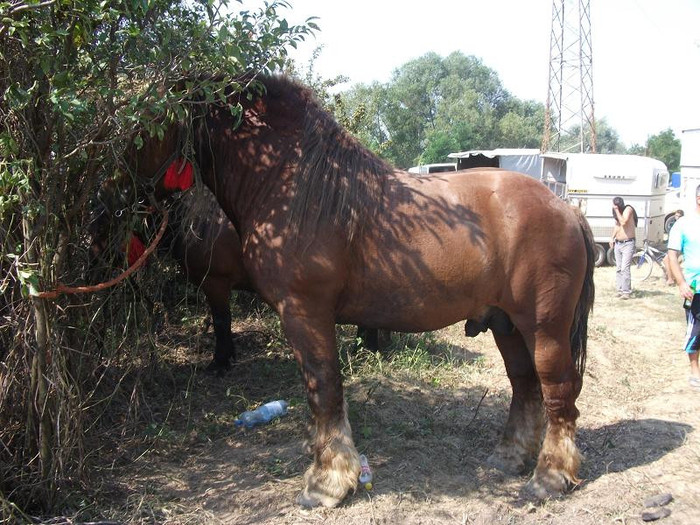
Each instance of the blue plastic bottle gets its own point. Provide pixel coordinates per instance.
(263, 414)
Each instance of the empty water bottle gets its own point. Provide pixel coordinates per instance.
(365, 473)
(263, 414)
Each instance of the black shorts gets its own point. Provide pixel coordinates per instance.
(692, 333)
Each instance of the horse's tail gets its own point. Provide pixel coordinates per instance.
(579, 328)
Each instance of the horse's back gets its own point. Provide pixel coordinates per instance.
(505, 211)
(447, 246)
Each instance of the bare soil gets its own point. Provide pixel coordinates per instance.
(427, 420)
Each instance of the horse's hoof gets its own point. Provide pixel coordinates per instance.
(311, 498)
(218, 369)
(550, 485)
(509, 463)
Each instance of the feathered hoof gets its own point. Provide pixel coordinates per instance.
(329, 486)
(311, 498)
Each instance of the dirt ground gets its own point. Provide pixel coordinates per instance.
(428, 429)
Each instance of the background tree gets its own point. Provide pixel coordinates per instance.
(607, 139)
(665, 147)
(78, 79)
(433, 106)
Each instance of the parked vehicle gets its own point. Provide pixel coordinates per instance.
(427, 169)
(690, 168)
(527, 161)
(590, 181)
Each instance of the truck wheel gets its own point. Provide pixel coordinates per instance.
(599, 255)
(611, 256)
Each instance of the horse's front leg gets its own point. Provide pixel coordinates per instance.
(336, 463)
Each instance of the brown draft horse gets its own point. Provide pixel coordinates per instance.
(331, 234)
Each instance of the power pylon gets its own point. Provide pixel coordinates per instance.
(569, 118)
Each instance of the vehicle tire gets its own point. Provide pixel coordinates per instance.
(600, 255)
(669, 222)
(641, 267)
(610, 256)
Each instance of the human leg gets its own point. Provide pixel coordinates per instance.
(618, 266)
(626, 250)
(692, 345)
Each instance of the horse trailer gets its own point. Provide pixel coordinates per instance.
(428, 169)
(590, 181)
(690, 168)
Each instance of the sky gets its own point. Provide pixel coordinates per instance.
(646, 53)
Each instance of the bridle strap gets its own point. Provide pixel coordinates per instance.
(62, 289)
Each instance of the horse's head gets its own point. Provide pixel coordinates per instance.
(159, 163)
(120, 207)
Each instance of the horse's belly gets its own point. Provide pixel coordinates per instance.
(414, 309)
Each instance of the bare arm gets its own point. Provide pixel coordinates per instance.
(674, 266)
(624, 217)
(616, 229)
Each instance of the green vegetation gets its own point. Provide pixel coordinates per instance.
(434, 105)
(79, 79)
(663, 146)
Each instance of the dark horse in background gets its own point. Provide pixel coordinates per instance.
(200, 238)
(205, 246)
(331, 234)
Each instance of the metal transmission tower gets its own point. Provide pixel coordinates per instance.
(569, 119)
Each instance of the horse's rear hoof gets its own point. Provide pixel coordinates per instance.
(218, 369)
(548, 485)
(309, 499)
(508, 463)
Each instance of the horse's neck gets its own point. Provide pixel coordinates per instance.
(243, 180)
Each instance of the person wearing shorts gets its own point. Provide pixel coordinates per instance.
(684, 239)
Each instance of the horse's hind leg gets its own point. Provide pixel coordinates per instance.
(559, 459)
(218, 295)
(336, 463)
(523, 432)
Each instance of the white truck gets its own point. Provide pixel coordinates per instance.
(690, 168)
(590, 181)
(427, 169)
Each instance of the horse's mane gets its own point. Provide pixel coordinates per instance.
(197, 215)
(337, 179)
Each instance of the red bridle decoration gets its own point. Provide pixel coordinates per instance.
(179, 175)
(134, 250)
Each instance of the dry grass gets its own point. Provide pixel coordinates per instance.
(427, 416)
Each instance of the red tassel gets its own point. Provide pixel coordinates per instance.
(134, 250)
(178, 176)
